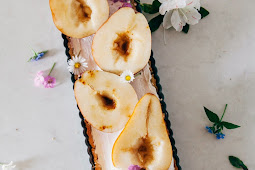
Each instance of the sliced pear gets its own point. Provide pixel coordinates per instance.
(144, 140)
(123, 42)
(104, 101)
(79, 18)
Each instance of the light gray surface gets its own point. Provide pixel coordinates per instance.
(212, 65)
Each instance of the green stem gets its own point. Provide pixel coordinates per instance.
(244, 167)
(138, 2)
(52, 68)
(30, 59)
(224, 112)
(138, 74)
(44, 51)
(35, 52)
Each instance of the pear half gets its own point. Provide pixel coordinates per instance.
(144, 140)
(123, 42)
(104, 101)
(79, 18)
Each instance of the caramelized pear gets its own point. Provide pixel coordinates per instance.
(144, 140)
(79, 18)
(104, 101)
(123, 42)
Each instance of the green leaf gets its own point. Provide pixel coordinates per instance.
(156, 22)
(151, 8)
(213, 129)
(211, 116)
(221, 127)
(185, 29)
(236, 162)
(217, 131)
(229, 125)
(203, 12)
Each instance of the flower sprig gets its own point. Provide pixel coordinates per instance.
(178, 14)
(37, 56)
(8, 166)
(48, 81)
(219, 124)
(236, 162)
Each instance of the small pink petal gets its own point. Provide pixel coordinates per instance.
(39, 73)
(134, 167)
(126, 4)
(49, 82)
(39, 79)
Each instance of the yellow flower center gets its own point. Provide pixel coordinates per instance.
(128, 78)
(77, 65)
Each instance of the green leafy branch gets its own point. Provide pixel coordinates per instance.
(219, 124)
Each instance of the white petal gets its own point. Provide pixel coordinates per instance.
(192, 16)
(70, 68)
(84, 64)
(82, 60)
(163, 9)
(170, 5)
(177, 21)
(76, 72)
(8, 166)
(75, 59)
(162, 1)
(71, 62)
(167, 20)
(193, 3)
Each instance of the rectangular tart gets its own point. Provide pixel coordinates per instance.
(99, 143)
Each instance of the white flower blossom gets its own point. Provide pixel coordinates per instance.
(179, 12)
(9, 166)
(127, 76)
(77, 65)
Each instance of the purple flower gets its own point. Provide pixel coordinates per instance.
(134, 167)
(37, 56)
(119, 1)
(125, 4)
(49, 82)
(40, 55)
(209, 129)
(220, 136)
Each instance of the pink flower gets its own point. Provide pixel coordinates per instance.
(49, 82)
(126, 4)
(134, 167)
(39, 79)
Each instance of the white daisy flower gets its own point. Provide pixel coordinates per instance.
(127, 76)
(77, 65)
(179, 12)
(9, 166)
